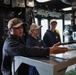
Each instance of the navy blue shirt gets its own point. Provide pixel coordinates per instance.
(50, 38)
(31, 42)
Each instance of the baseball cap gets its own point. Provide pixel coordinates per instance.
(34, 26)
(14, 23)
(53, 21)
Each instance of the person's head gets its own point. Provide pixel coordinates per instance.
(35, 29)
(53, 24)
(15, 27)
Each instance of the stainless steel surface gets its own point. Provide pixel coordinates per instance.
(45, 66)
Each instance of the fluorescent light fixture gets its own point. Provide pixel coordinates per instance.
(42, 0)
(67, 9)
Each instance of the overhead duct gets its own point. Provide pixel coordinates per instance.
(67, 1)
(18, 3)
(70, 2)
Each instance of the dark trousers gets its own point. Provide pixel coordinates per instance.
(0, 62)
(33, 71)
(23, 69)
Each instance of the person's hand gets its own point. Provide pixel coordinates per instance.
(42, 47)
(56, 49)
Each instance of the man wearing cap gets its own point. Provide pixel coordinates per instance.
(15, 46)
(52, 35)
(34, 40)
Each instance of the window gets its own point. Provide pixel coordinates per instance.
(67, 22)
(44, 24)
(36, 20)
(60, 28)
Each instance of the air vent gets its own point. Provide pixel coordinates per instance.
(6, 1)
(18, 3)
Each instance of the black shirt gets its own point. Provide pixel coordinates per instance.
(31, 41)
(50, 38)
(15, 47)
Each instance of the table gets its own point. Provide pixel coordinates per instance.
(45, 66)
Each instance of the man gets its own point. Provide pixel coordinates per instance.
(15, 46)
(52, 35)
(34, 41)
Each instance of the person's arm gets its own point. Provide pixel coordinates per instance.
(29, 43)
(15, 49)
(43, 44)
(45, 40)
(55, 49)
(59, 37)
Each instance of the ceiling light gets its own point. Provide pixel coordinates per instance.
(67, 9)
(42, 0)
(30, 3)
